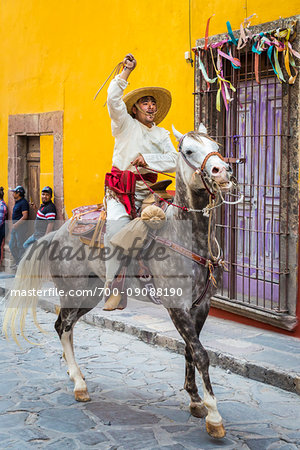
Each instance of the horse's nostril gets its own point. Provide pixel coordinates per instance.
(215, 171)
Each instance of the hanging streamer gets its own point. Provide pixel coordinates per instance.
(233, 39)
(234, 61)
(222, 84)
(206, 32)
(245, 34)
(204, 72)
(272, 42)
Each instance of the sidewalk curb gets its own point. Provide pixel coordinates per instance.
(269, 375)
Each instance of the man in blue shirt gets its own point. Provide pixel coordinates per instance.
(19, 219)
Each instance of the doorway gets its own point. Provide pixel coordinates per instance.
(32, 180)
(24, 131)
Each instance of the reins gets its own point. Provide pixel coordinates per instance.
(184, 208)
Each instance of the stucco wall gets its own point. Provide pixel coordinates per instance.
(54, 55)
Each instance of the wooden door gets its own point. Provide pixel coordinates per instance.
(33, 173)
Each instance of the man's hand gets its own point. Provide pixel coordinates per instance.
(129, 62)
(139, 161)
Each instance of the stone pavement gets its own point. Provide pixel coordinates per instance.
(257, 354)
(137, 398)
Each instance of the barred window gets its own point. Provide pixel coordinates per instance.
(260, 235)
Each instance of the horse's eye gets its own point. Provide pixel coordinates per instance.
(188, 152)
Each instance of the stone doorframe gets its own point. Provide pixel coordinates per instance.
(50, 123)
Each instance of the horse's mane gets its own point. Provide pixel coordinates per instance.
(197, 136)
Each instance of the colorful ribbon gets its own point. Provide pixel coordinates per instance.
(273, 42)
(232, 38)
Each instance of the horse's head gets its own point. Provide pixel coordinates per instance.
(201, 165)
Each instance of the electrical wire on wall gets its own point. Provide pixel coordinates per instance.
(190, 58)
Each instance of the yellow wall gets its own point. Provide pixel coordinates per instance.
(55, 54)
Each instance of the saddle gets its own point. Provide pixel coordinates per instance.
(89, 222)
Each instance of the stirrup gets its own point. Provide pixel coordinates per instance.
(113, 302)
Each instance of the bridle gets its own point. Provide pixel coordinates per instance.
(199, 171)
(204, 177)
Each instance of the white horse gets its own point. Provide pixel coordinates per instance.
(202, 176)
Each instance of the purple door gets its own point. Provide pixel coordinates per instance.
(252, 232)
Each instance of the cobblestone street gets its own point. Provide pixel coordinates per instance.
(137, 398)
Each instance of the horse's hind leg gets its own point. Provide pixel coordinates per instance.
(197, 407)
(64, 327)
(186, 327)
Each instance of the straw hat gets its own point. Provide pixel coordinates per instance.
(162, 96)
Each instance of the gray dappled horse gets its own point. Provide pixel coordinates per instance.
(201, 174)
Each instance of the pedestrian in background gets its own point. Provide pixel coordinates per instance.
(19, 228)
(3, 218)
(45, 217)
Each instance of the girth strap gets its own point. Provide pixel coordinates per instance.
(211, 265)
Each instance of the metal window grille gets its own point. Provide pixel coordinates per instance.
(255, 233)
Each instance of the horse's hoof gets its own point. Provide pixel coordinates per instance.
(82, 396)
(112, 302)
(215, 430)
(198, 410)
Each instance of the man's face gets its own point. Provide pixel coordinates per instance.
(17, 195)
(46, 197)
(146, 112)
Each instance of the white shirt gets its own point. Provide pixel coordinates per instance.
(133, 138)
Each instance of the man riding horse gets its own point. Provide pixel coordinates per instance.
(139, 142)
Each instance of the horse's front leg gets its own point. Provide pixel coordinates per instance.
(183, 322)
(197, 407)
(64, 327)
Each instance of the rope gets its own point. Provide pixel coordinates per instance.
(114, 72)
(215, 258)
(205, 211)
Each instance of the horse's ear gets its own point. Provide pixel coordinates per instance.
(202, 128)
(176, 133)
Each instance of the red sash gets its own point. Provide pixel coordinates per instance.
(123, 184)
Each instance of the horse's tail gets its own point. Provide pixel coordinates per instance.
(33, 269)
